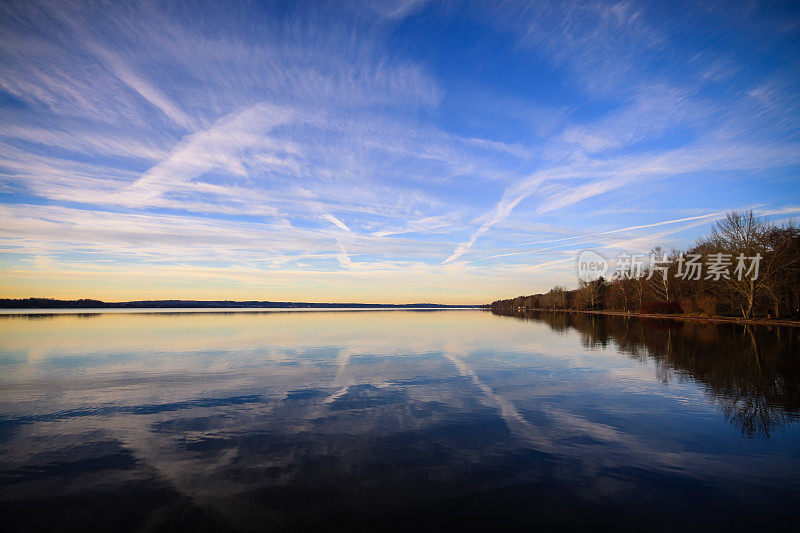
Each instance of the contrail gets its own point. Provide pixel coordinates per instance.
(630, 228)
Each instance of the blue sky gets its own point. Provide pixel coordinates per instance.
(397, 151)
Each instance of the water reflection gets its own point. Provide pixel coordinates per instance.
(753, 373)
(270, 421)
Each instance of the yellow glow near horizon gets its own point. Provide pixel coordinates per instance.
(451, 286)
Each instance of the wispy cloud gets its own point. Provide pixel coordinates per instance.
(145, 89)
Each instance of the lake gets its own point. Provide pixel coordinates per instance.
(395, 420)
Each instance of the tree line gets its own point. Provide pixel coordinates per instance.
(753, 270)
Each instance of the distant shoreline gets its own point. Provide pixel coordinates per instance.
(716, 319)
(51, 312)
(51, 303)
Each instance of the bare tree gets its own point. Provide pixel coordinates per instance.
(782, 266)
(559, 297)
(742, 234)
(659, 275)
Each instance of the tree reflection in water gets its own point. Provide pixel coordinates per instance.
(751, 372)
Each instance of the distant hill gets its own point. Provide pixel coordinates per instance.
(50, 303)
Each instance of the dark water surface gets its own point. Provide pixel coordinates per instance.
(395, 420)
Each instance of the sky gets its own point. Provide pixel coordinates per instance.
(386, 151)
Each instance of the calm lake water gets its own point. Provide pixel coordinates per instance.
(390, 420)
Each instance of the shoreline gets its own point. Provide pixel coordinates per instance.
(715, 319)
